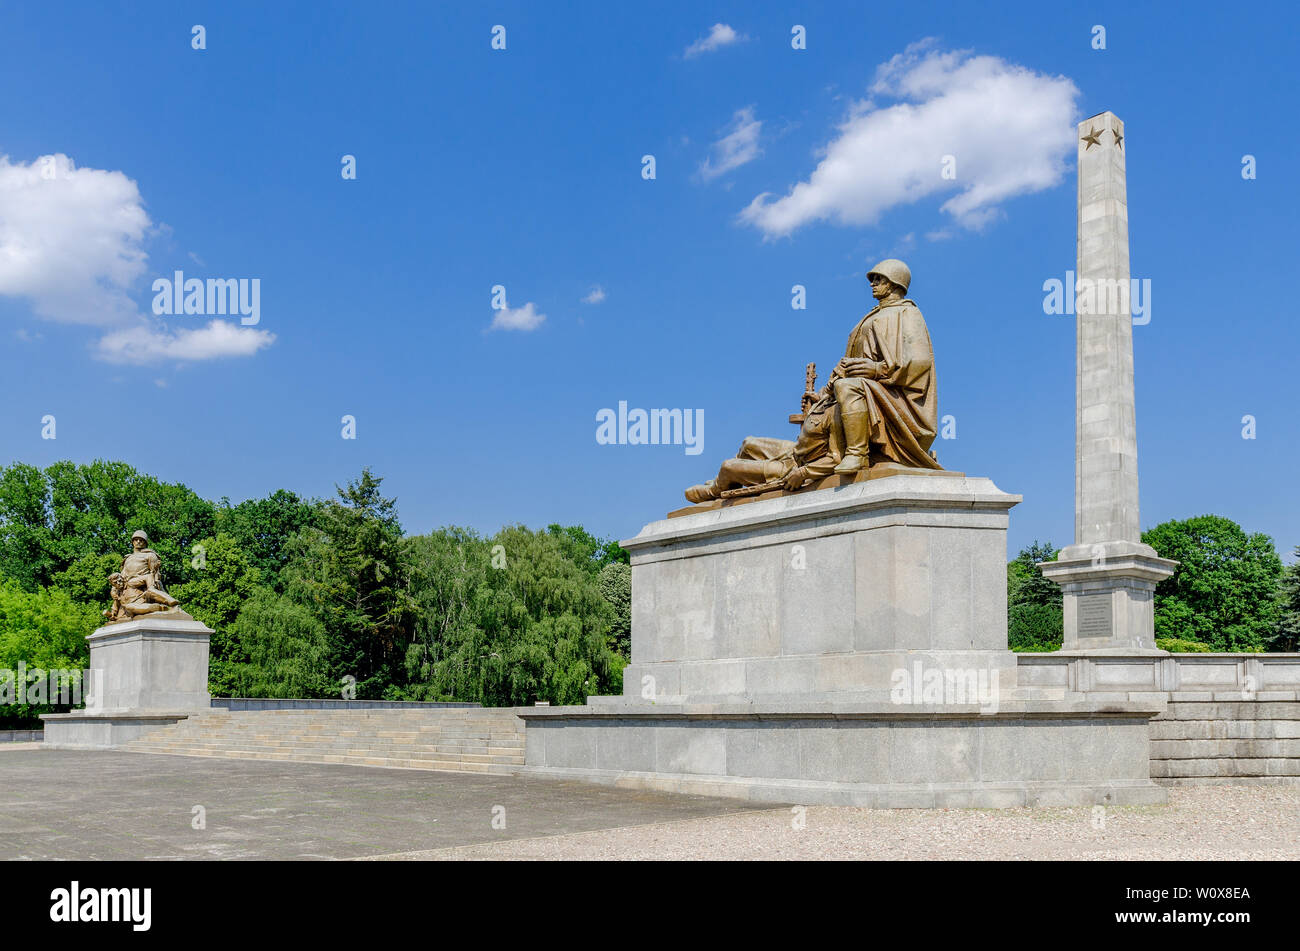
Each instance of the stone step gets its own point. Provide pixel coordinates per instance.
(1233, 748)
(345, 760)
(1233, 710)
(340, 721)
(486, 739)
(487, 754)
(1225, 729)
(516, 759)
(457, 740)
(362, 739)
(1223, 767)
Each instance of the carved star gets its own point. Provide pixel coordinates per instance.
(1091, 138)
(1118, 138)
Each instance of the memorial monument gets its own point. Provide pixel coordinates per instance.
(1108, 575)
(827, 623)
(148, 663)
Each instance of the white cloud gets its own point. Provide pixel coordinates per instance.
(72, 243)
(71, 239)
(1009, 129)
(518, 318)
(595, 295)
(720, 35)
(153, 344)
(738, 146)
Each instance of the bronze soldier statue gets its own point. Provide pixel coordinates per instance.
(137, 588)
(879, 404)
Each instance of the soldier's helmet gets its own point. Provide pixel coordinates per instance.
(139, 533)
(894, 270)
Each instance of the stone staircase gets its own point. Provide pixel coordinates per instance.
(1224, 740)
(476, 740)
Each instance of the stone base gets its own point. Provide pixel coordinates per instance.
(859, 676)
(822, 595)
(1109, 591)
(90, 731)
(874, 755)
(880, 470)
(152, 663)
(145, 674)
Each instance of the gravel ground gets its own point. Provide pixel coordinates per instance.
(1237, 822)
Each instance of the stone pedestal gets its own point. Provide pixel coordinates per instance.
(822, 595)
(144, 674)
(847, 646)
(876, 755)
(1109, 598)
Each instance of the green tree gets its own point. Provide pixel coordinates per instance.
(349, 571)
(1034, 612)
(509, 620)
(222, 577)
(263, 528)
(1286, 637)
(615, 581)
(55, 523)
(586, 550)
(27, 550)
(223, 580)
(43, 629)
(1224, 591)
(284, 651)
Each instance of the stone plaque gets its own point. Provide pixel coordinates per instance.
(1095, 615)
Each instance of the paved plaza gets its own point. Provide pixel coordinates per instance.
(112, 805)
(60, 804)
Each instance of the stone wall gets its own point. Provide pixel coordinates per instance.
(1227, 718)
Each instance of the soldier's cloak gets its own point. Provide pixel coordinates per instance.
(903, 402)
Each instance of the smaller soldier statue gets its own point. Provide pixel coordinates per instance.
(137, 588)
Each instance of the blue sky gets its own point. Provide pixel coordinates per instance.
(522, 167)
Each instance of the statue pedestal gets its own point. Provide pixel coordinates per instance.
(144, 674)
(822, 595)
(841, 646)
(1109, 596)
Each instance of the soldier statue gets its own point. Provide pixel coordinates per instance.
(879, 405)
(137, 587)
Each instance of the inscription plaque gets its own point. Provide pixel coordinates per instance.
(1095, 615)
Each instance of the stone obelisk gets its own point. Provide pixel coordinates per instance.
(1108, 576)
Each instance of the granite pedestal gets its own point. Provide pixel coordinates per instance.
(144, 674)
(783, 650)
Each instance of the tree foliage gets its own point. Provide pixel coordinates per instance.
(58, 525)
(615, 581)
(509, 620)
(42, 629)
(348, 571)
(1287, 635)
(1034, 611)
(278, 649)
(1224, 592)
(263, 529)
(303, 593)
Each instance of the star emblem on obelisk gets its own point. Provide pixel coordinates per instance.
(1091, 138)
(1118, 138)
